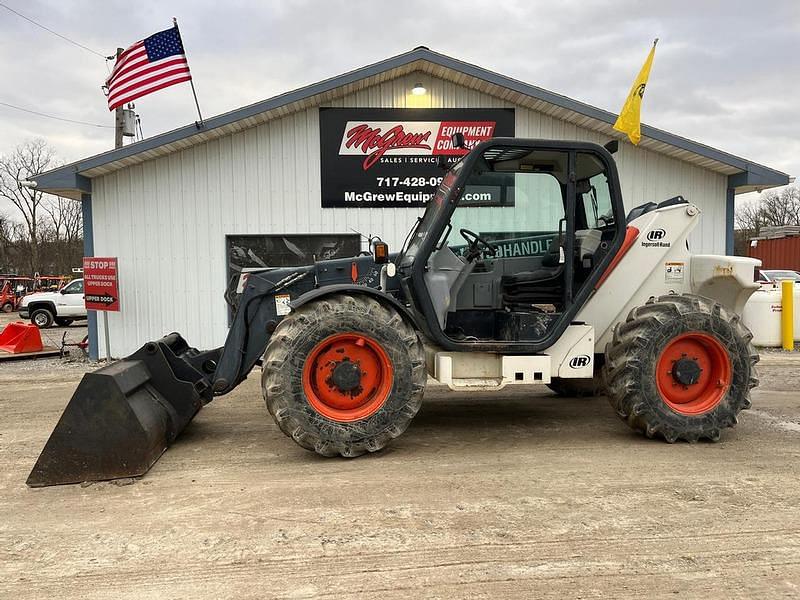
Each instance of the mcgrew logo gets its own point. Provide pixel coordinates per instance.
(375, 143)
(578, 362)
(375, 139)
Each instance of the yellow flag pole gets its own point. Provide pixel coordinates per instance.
(787, 314)
(629, 120)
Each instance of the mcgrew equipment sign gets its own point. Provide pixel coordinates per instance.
(375, 157)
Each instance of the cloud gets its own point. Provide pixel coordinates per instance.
(724, 74)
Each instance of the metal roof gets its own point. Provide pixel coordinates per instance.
(75, 178)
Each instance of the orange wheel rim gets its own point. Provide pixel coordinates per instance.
(693, 373)
(347, 377)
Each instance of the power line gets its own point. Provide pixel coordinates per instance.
(63, 37)
(41, 114)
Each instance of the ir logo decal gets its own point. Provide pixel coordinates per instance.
(578, 362)
(655, 239)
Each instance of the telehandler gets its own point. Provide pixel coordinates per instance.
(524, 269)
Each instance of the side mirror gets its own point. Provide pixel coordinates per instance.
(458, 140)
(612, 146)
(62, 291)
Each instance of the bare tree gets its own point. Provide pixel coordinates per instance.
(782, 208)
(27, 160)
(771, 209)
(750, 218)
(13, 245)
(66, 218)
(61, 239)
(6, 228)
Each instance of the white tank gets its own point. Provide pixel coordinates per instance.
(797, 312)
(762, 316)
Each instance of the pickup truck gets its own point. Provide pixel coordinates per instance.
(61, 307)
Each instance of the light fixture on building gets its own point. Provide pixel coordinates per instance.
(418, 89)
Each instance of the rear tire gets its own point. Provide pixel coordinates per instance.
(680, 367)
(42, 318)
(7, 307)
(62, 322)
(298, 375)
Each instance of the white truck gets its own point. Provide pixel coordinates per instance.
(61, 307)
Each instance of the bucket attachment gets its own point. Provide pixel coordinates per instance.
(123, 416)
(18, 338)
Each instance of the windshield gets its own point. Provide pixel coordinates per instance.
(76, 287)
(776, 275)
(436, 205)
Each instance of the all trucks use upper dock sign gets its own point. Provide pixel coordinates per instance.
(100, 283)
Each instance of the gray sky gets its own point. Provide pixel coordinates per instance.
(725, 72)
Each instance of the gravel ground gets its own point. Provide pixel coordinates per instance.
(502, 495)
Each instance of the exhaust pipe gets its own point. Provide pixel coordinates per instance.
(124, 416)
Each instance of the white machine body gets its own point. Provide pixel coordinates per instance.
(657, 262)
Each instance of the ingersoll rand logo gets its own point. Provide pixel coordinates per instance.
(656, 238)
(579, 362)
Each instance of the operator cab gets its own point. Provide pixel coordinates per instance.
(513, 242)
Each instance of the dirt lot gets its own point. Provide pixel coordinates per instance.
(517, 494)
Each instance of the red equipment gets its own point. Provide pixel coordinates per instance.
(18, 338)
(12, 291)
(8, 299)
(50, 282)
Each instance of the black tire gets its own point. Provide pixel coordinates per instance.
(7, 307)
(42, 318)
(64, 322)
(578, 388)
(300, 333)
(634, 352)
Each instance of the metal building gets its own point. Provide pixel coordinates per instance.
(183, 210)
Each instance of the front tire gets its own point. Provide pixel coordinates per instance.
(42, 318)
(344, 375)
(680, 367)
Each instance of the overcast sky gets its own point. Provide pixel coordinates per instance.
(726, 73)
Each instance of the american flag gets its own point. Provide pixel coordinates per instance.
(153, 64)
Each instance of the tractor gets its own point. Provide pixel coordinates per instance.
(523, 270)
(12, 290)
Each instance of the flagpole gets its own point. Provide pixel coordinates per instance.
(200, 123)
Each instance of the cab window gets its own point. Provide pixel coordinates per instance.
(594, 194)
(518, 206)
(76, 287)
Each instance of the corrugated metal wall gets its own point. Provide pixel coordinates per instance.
(779, 253)
(167, 219)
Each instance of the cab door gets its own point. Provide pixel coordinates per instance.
(71, 303)
(531, 227)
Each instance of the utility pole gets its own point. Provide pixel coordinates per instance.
(119, 122)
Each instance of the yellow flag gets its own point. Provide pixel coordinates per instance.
(629, 120)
